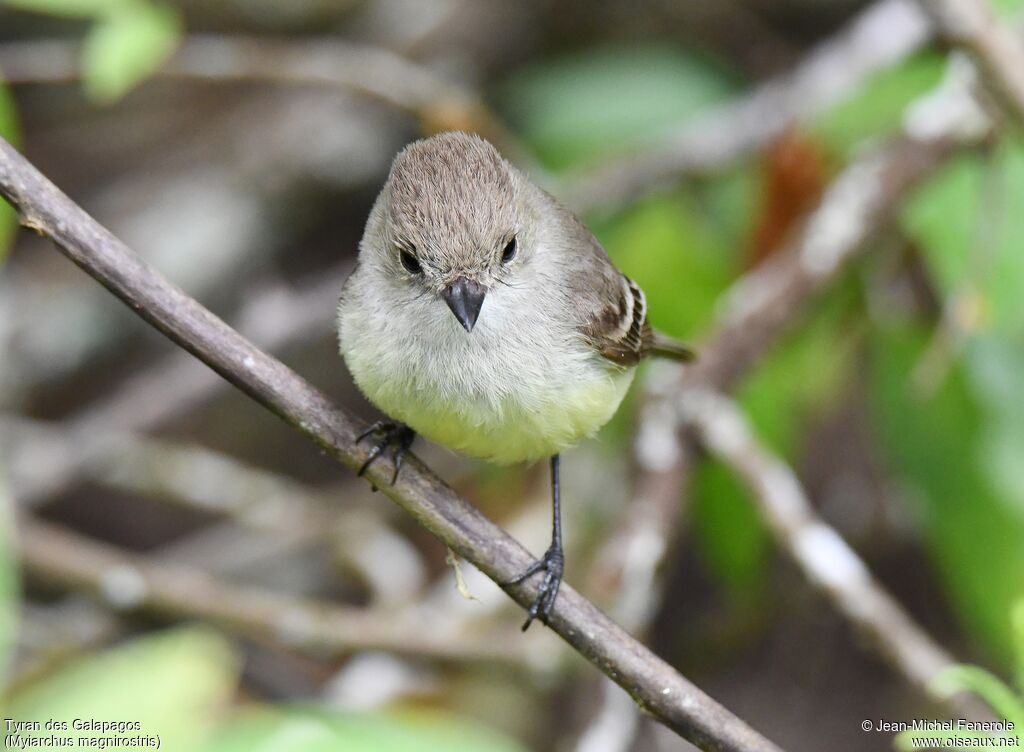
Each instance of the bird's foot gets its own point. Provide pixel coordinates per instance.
(553, 564)
(389, 434)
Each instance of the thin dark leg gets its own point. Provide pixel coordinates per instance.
(553, 561)
(396, 436)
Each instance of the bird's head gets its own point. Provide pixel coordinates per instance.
(450, 223)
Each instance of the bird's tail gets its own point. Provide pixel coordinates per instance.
(663, 346)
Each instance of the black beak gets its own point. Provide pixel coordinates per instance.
(465, 297)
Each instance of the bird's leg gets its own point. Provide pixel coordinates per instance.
(397, 436)
(553, 561)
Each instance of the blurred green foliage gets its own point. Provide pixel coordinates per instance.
(935, 443)
(9, 131)
(127, 41)
(968, 221)
(175, 684)
(797, 381)
(963, 448)
(310, 730)
(1006, 702)
(877, 109)
(578, 107)
(178, 684)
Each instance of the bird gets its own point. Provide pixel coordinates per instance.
(483, 315)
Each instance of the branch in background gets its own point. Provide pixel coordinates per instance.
(995, 48)
(825, 559)
(331, 62)
(757, 309)
(187, 475)
(274, 317)
(880, 37)
(132, 583)
(291, 515)
(628, 563)
(50, 635)
(655, 685)
(861, 203)
(327, 62)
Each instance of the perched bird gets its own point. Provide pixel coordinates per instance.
(484, 316)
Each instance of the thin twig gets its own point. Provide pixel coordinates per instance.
(655, 685)
(129, 582)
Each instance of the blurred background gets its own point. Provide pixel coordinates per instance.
(174, 555)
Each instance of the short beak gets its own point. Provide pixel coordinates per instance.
(465, 297)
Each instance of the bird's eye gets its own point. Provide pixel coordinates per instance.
(510, 251)
(410, 263)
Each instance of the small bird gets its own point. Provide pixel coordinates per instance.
(484, 316)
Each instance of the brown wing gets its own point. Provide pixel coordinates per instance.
(609, 308)
(622, 334)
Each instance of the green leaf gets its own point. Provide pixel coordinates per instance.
(1017, 624)
(993, 365)
(877, 109)
(69, 8)
(972, 235)
(908, 741)
(310, 730)
(731, 540)
(173, 684)
(9, 131)
(974, 534)
(988, 686)
(799, 379)
(1007, 7)
(576, 107)
(126, 46)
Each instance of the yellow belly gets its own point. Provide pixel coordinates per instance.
(519, 387)
(520, 435)
(513, 431)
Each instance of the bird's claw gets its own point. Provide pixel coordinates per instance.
(397, 436)
(553, 563)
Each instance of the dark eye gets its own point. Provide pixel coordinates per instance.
(410, 263)
(510, 251)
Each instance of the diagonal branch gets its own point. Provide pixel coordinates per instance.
(878, 38)
(655, 685)
(826, 560)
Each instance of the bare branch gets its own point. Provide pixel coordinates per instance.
(327, 62)
(330, 62)
(655, 685)
(881, 36)
(274, 317)
(857, 207)
(131, 583)
(826, 560)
